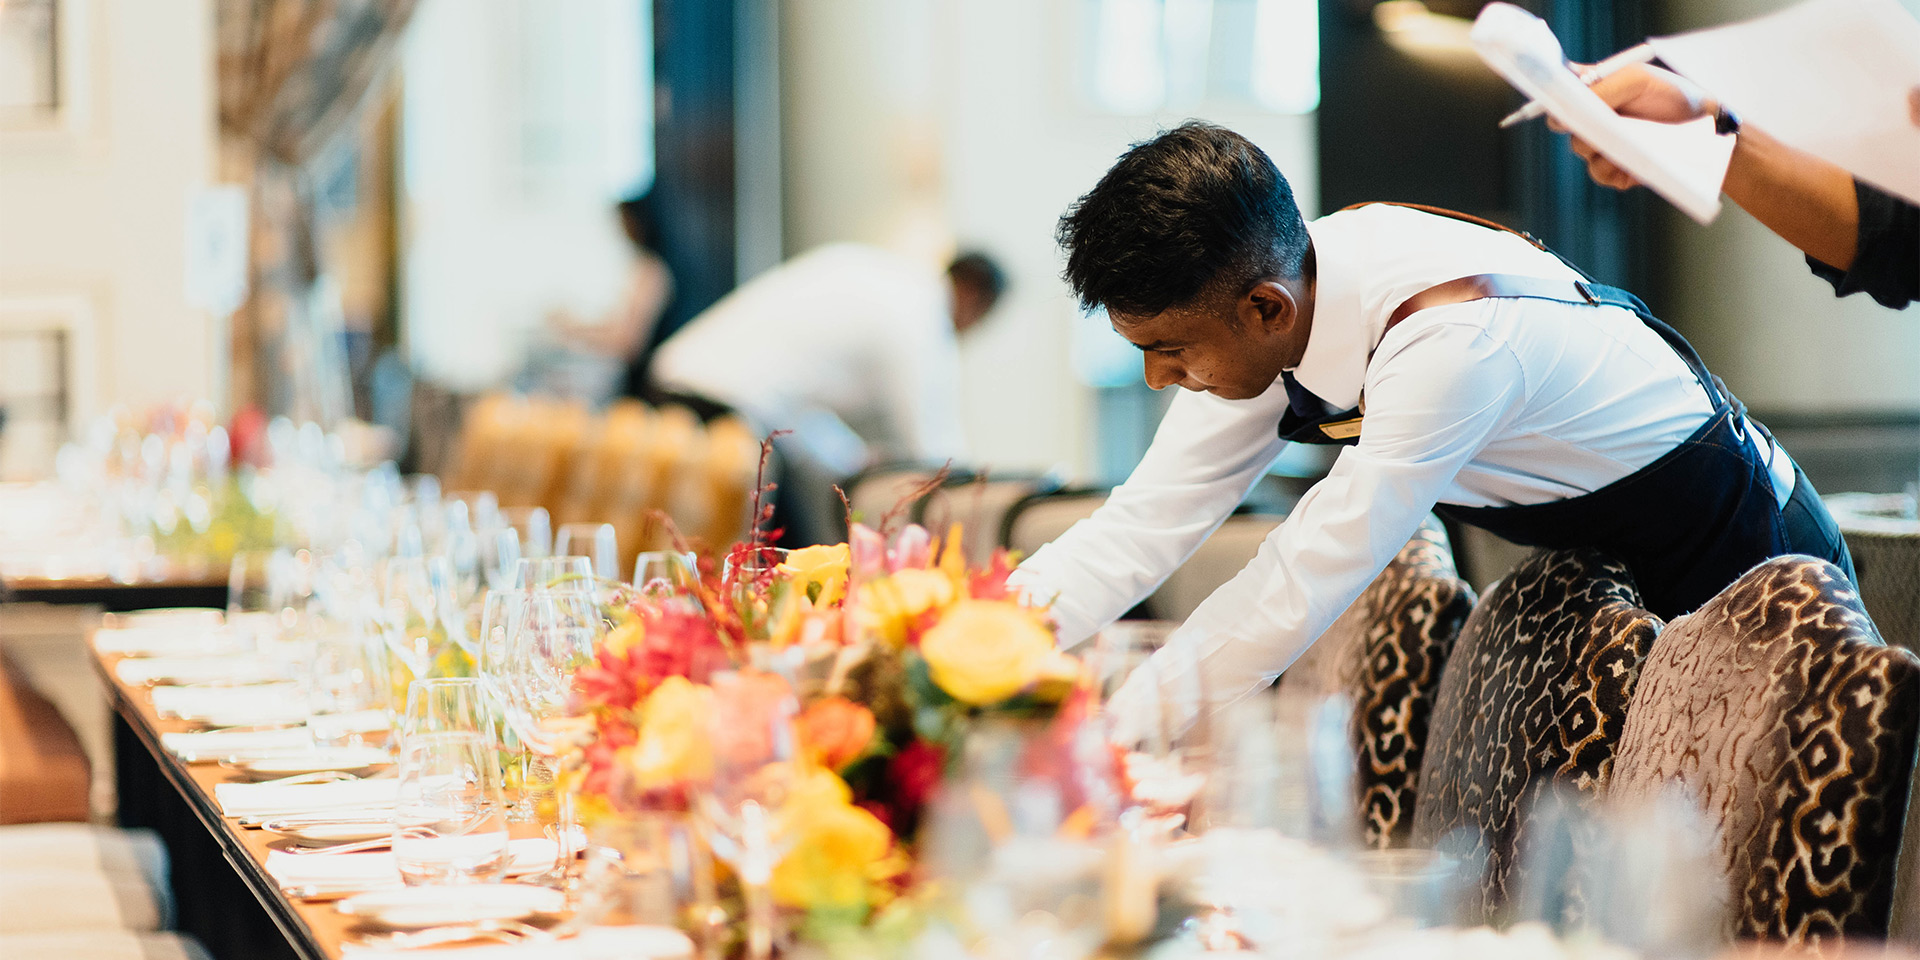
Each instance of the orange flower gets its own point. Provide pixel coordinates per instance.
(836, 731)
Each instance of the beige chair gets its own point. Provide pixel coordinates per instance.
(980, 505)
(1533, 697)
(887, 494)
(1386, 654)
(1780, 710)
(1037, 520)
(44, 774)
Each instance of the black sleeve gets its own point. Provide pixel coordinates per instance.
(1886, 258)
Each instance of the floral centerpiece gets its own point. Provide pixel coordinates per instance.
(891, 651)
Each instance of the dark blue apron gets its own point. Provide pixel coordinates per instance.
(1687, 524)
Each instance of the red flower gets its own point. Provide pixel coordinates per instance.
(991, 583)
(916, 771)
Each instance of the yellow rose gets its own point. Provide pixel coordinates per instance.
(984, 651)
(888, 606)
(674, 744)
(625, 636)
(839, 853)
(825, 566)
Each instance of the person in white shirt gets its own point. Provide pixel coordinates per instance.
(851, 348)
(1467, 370)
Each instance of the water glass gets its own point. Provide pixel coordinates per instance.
(344, 673)
(448, 705)
(753, 742)
(449, 826)
(595, 540)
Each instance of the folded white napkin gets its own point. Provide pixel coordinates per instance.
(376, 869)
(593, 943)
(211, 745)
(233, 706)
(164, 638)
(284, 799)
(241, 668)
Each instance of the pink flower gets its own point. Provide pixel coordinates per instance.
(868, 551)
(912, 550)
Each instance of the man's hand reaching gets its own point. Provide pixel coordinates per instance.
(1645, 93)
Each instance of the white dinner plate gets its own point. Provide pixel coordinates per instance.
(358, 761)
(406, 908)
(342, 831)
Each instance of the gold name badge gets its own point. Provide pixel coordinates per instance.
(1342, 429)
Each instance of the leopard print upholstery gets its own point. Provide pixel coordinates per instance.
(1386, 653)
(1534, 695)
(1781, 711)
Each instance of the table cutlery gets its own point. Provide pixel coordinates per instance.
(505, 931)
(359, 846)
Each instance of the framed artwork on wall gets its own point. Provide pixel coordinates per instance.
(30, 87)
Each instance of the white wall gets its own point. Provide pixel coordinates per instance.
(919, 123)
(525, 122)
(93, 208)
(1777, 333)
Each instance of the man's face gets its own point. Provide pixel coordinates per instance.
(1231, 348)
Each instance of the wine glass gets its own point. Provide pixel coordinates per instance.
(597, 540)
(499, 619)
(661, 573)
(553, 573)
(559, 631)
(448, 825)
(753, 743)
(500, 557)
(748, 576)
(533, 528)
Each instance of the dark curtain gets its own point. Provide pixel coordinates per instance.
(1423, 127)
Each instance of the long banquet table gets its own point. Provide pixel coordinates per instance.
(222, 892)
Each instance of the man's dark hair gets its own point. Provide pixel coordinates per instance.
(1195, 206)
(979, 270)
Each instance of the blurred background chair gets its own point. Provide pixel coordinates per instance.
(1782, 712)
(980, 504)
(1386, 653)
(1037, 519)
(1884, 538)
(892, 493)
(1533, 696)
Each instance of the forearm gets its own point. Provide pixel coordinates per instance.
(1809, 202)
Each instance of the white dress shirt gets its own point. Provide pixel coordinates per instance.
(851, 347)
(1485, 403)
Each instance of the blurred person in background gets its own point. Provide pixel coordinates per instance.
(1855, 236)
(852, 348)
(597, 359)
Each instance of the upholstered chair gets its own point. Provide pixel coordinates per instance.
(1386, 653)
(1781, 712)
(1533, 696)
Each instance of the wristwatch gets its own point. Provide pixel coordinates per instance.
(1725, 122)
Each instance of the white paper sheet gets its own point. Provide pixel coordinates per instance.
(1830, 77)
(1685, 163)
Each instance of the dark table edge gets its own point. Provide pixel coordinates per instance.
(251, 872)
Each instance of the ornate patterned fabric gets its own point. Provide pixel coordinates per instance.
(1535, 694)
(1781, 711)
(1386, 653)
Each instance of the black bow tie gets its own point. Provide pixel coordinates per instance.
(1303, 402)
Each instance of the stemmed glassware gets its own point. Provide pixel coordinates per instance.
(449, 825)
(499, 621)
(754, 762)
(559, 628)
(596, 540)
(663, 573)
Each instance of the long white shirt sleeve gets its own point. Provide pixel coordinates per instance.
(842, 341)
(1487, 403)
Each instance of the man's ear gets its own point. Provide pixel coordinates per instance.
(1269, 307)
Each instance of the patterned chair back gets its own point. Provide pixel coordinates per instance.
(1386, 653)
(1780, 710)
(1534, 695)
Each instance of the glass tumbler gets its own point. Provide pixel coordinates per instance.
(449, 826)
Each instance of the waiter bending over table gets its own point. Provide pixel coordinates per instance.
(1465, 369)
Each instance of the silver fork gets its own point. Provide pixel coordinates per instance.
(358, 846)
(505, 931)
